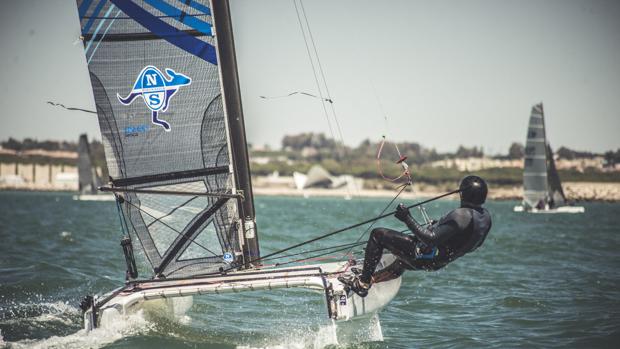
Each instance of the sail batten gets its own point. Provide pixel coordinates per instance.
(124, 182)
(161, 100)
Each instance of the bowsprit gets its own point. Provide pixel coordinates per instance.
(156, 91)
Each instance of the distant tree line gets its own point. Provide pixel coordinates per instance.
(569, 154)
(305, 140)
(327, 148)
(335, 157)
(30, 144)
(361, 161)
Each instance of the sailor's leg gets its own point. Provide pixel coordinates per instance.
(399, 244)
(392, 271)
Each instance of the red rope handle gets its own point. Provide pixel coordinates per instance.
(380, 168)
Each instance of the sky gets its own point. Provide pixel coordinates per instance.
(441, 73)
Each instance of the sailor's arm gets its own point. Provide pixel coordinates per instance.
(448, 226)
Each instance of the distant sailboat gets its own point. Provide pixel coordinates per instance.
(542, 188)
(179, 166)
(88, 180)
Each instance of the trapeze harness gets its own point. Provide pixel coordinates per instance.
(459, 232)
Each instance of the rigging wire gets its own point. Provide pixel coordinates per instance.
(347, 228)
(297, 92)
(316, 79)
(316, 256)
(71, 108)
(401, 158)
(324, 83)
(337, 248)
(347, 245)
(320, 66)
(403, 187)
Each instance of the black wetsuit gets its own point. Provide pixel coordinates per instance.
(459, 232)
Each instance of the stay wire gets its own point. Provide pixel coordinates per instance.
(297, 92)
(71, 108)
(313, 257)
(318, 60)
(325, 85)
(348, 228)
(316, 79)
(403, 187)
(349, 245)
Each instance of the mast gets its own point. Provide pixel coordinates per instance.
(234, 114)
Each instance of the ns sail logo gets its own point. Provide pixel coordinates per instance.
(156, 89)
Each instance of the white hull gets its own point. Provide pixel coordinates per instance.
(561, 209)
(94, 197)
(174, 294)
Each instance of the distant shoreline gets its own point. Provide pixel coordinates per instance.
(575, 191)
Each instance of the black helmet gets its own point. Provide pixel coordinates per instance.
(473, 190)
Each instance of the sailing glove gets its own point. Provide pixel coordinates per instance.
(402, 213)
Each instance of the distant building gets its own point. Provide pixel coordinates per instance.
(581, 164)
(309, 152)
(476, 164)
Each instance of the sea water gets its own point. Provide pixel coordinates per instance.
(539, 281)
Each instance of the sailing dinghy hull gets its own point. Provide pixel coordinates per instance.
(94, 197)
(561, 209)
(341, 306)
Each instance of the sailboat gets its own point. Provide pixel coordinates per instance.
(542, 188)
(165, 83)
(88, 180)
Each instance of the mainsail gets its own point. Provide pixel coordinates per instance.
(555, 185)
(169, 108)
(535, 190)
(87, 177)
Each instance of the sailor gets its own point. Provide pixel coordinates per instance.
(459, 232)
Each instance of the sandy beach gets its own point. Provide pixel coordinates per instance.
(576, 191)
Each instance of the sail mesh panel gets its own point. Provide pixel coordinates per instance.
(535, 165)
(555, 185)
(141, 154)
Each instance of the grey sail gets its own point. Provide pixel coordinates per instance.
(162, 84)
(318, 177)
(535, 189)
(88, 182)
(556, 194)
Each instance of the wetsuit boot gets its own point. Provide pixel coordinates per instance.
(355, 284)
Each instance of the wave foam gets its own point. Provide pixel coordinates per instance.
(126, 326)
